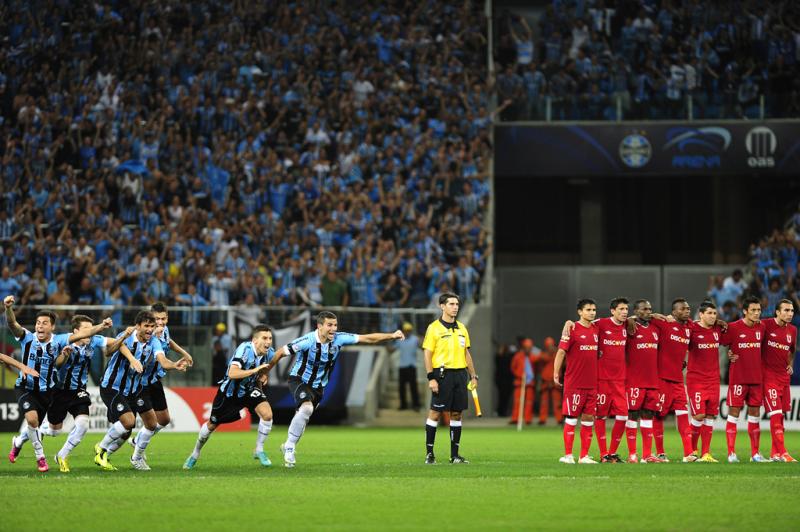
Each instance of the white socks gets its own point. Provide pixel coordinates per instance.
(298, 425)
(114, 437)
(142, 440)
(202, 438)
(23, 435)
(33, 435)
(264, 428)
(75, 436)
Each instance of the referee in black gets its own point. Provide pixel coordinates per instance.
(450, 368)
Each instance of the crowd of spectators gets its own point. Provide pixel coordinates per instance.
(645, 59)
(216, 152)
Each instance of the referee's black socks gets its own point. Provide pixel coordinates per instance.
(455, 437)
(430, 434)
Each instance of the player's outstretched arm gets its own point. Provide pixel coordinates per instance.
(15, 328)
(376, 338)
(100, 327)
(237, 373)
(568, 326)
(630, 325)
(168, 364)
(114, 345)
(279, 354)
(182, 352)
(12, 363)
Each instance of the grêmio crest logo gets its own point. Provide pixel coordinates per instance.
(697, 148)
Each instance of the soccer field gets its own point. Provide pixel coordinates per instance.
(367, 479)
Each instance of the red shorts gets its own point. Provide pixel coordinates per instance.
(643, 398)
(703, 398)
(579, 401)
(777, 397)
(611, 399)
(673, 397)
(741, 394)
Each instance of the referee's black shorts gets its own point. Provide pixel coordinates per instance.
(452, 396)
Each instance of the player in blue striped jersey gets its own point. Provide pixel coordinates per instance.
(41, 351)
(154, 388)
(121, 391)
(241, 388)
(70, 395)
(315, 355)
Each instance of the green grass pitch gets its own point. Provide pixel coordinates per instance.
(375, 479)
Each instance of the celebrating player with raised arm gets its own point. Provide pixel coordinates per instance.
(315, 355)
(580, 381)
(702, 378)
(778, 347)
(641, 380)
(242, 388)
(121, 391)
(744, 337)
(42, 352)
(673, 345)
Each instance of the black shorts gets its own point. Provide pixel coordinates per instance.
(303, 392)
(76, 402)
(228, 409)
(33, 401)
(452, 396)
(156, 394)
(118, 404)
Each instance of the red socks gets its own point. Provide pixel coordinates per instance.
(658, 434)
(569, 434)
(682, 420)
(706, 431)
(586, 437)
(630, 434)
(776, 429)
(616, 433)
(646, 426)
(600, 430)
(696, 428)
(730, 434)
(754, 430)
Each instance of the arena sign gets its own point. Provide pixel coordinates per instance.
(647, 148)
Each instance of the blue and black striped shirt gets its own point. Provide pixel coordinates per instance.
(157, 371)
(40, 356)
(245, 358)
(314, 360)
(121, 377)
(74, 374)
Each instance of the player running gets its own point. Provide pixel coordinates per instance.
(41, 352)
(71, 395)
(154, 388)
(580, 350)
(122, 392)
(744, 337)
(702, 378)
(641, 380)
(315, 355)
(242, 388)
(778, 348)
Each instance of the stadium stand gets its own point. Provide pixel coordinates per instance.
(224, 152)
(648, 59)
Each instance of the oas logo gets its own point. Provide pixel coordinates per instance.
(761, 144)
(635, 150)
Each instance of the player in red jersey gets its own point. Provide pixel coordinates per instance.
(702, 378)
(580, 381)
(777, 360)
(673, 345)
(641, 380)
(611, 400)
(744, 338)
